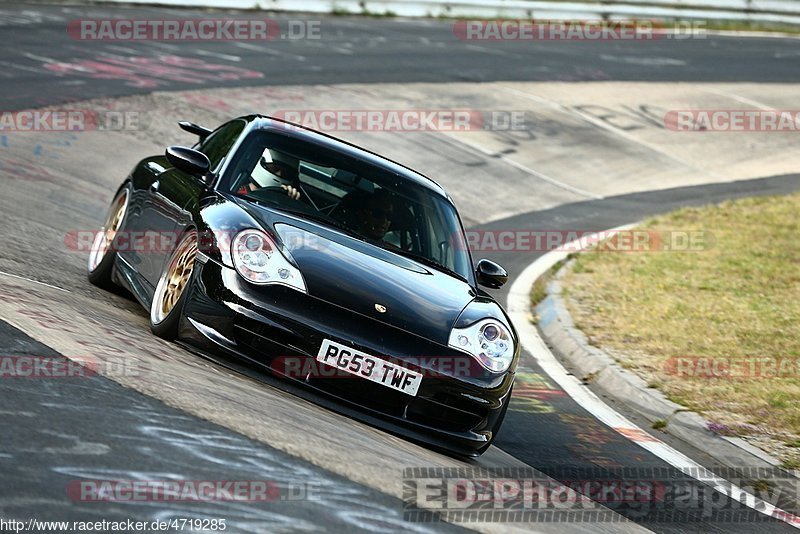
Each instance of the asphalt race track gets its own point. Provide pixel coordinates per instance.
(389, 51)
(177, 416)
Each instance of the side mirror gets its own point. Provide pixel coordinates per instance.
(490, 274)
(189, 161)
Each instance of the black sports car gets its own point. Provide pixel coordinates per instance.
(326, 263)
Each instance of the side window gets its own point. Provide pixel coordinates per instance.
(217, 145)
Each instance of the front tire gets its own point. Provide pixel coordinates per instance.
(103, 254)
(171, 291)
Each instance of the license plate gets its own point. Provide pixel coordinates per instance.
(365, 366)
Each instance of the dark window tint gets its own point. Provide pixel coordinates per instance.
(368, 201)
(217, 145)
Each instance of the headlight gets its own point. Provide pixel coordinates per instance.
(488, 340)
(258, 260)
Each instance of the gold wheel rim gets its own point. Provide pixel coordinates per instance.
(105, 237)
(177, 276)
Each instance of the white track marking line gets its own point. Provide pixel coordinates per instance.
(491, 51)
(23, 67)
(3, 273)
(343, 50)
(518, 309)
(249, 46)
(43, 59)
(226, 57)
(164, 46)
(123, 49)
(616, 131)
(269, 51)
(552, 181)
(742, 99)
(747, 101)
(460, 143)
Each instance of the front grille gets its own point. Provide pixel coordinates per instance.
(365, 393)
(436, 407)
(437, 415)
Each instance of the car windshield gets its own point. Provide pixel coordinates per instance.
(367, 201)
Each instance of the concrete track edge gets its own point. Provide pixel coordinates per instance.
(518, 306)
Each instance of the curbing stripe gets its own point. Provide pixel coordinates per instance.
(519, 310)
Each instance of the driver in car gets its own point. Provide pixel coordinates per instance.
(377, 215)
(280, 171)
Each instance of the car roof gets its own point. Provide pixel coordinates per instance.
(298, 131)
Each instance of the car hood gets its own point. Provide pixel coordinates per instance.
(369, 280)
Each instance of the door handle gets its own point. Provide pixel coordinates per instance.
(154, 187)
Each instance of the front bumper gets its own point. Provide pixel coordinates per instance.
(458, 403)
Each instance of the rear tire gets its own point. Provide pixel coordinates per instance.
(171, 291)
(103, 253)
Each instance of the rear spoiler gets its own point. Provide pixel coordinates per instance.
(200, 131)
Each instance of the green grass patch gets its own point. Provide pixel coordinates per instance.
(735, 299)
(659, 425)
(743, 25)
(791, 464)
(539, 288)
